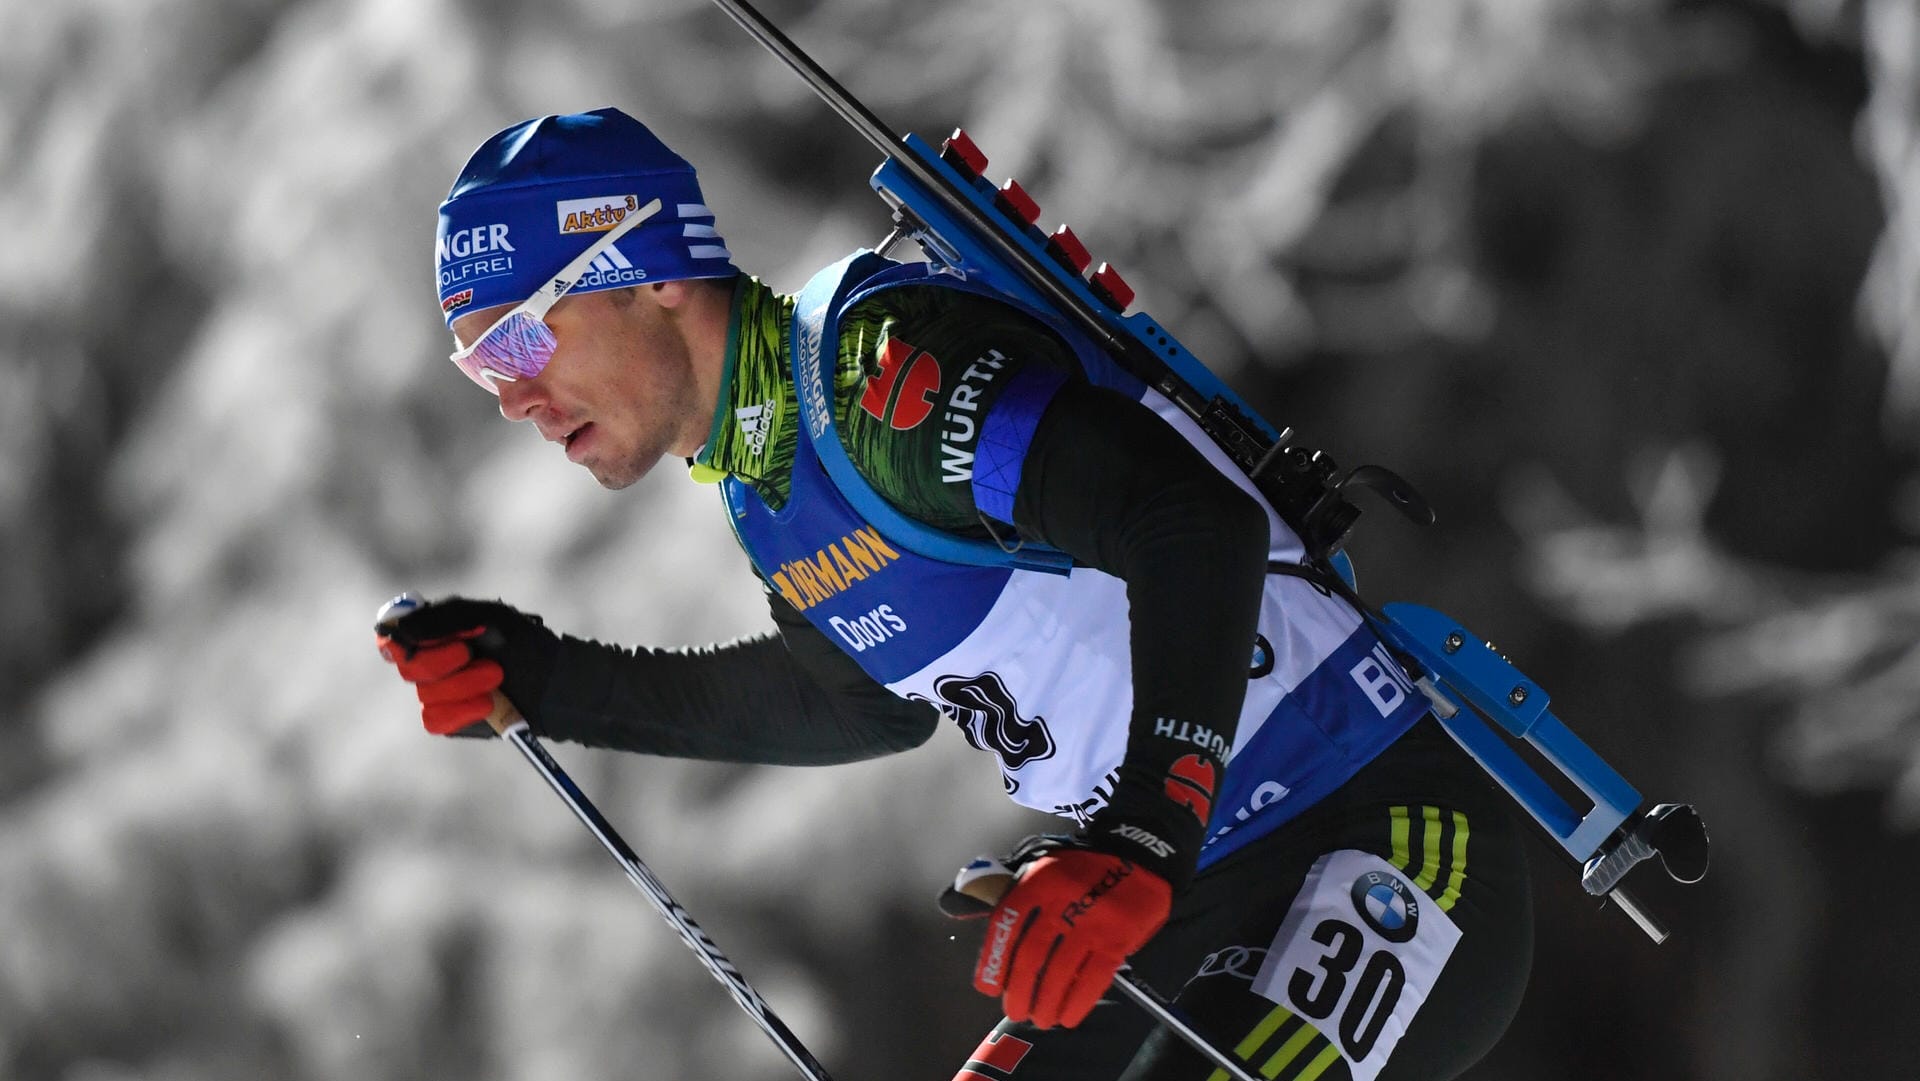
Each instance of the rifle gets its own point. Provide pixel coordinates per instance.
(943, 201)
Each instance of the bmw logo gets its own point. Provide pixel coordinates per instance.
(1389, 905)
(1262, 662)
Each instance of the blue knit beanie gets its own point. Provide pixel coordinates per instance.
(540, 192)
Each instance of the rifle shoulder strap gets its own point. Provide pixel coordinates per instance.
(815, 350)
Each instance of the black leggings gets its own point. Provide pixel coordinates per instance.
(1340, 996)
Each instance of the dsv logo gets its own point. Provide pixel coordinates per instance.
(990, 719)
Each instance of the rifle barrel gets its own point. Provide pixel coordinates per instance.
(870, 127)
(875, 131)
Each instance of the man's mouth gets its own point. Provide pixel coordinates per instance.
(576, 441)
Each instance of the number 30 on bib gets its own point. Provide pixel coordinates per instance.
(1357, 955)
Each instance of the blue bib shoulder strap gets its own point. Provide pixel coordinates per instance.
(815, 347)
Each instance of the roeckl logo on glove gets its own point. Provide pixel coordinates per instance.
(999, 940)
(1108, 881)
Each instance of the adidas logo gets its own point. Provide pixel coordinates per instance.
(609, 261)
(610, 268)
(754, 425)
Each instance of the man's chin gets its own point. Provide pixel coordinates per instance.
(614, 477)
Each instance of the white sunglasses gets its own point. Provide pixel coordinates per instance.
(519, 344)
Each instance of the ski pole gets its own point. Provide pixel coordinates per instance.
(513, 728)
(978, 888)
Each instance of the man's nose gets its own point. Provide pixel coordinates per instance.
(519, 398)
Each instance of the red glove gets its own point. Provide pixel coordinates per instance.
(1058, 936)
(459, 652)
(455, 687)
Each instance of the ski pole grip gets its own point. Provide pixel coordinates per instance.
(503, 715)
(976, 889)
(391, 611)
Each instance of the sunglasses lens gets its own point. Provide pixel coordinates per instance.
(517, 348)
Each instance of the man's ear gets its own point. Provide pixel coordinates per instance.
(667, 294)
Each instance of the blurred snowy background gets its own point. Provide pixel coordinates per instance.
(1631, 289)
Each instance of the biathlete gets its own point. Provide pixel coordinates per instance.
(1263, 820)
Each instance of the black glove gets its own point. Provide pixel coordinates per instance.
(458, 652)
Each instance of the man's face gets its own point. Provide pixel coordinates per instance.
(619, 392)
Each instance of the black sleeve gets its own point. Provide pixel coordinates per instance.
(1108, 482)
(788, 699)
